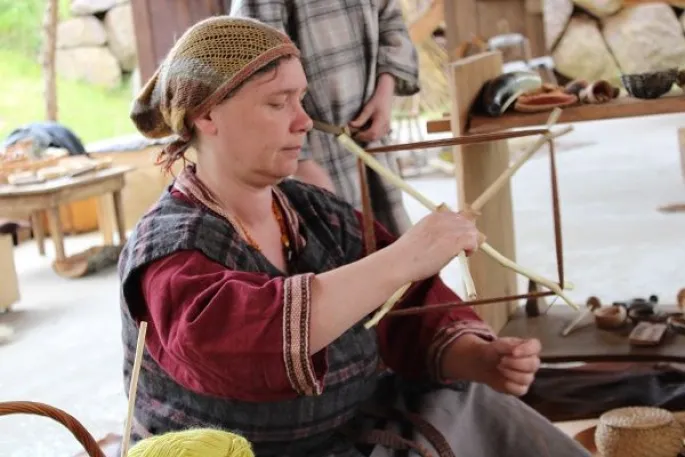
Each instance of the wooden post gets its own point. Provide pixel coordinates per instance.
(681, 143)
(477, 166)
(461, 24)
(50, 21)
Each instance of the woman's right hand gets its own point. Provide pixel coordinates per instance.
(433, 242)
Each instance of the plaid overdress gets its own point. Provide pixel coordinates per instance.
(345, 45)
(307, 425)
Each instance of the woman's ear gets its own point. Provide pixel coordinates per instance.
(205, 124)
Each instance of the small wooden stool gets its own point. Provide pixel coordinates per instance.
(678, 207)
(9, 283)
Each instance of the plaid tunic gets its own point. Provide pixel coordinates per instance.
(306, 424)
(345, 45)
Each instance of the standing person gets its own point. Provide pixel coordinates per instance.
(357, 54)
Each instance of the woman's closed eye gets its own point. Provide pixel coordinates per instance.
(277, 104)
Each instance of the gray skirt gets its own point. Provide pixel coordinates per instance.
(474, 421)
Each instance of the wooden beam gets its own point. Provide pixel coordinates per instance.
(477, 166)
(430, 19)
(142, 28)
(460, 25)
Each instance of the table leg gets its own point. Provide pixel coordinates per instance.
(56, 232)
(104, 221)
(38, 231)
(119, 216)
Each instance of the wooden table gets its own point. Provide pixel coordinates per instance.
(48, 197)
(587, 343)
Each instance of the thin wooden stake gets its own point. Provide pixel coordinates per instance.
(133, 389)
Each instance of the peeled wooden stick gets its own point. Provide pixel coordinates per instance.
(489, 250)
(375, 165)
(133, 388)
(554, 287)
(532, 149)
(387, 306)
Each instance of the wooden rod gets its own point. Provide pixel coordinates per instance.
(457, 141)
(465, 304)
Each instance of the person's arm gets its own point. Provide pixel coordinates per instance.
(247, 336)
(414, 346)
(310, 172)
(397, 73)
(397, 54)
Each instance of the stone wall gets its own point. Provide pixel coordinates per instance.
(600, 39)
(96, 44)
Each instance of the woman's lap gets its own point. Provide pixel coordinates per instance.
(477, 421)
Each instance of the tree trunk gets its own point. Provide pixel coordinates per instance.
(49, 50)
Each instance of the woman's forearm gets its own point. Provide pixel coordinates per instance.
(344, 296)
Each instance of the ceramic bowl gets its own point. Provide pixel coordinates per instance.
(650, 85)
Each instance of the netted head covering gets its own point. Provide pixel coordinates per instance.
(211, 59)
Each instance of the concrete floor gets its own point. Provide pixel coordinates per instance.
(613, 176)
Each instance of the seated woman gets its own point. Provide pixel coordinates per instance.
(256, 287)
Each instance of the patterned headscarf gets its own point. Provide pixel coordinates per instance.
(211, 59)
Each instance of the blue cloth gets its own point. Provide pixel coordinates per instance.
(47, 134)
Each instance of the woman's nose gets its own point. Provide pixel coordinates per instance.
(302, 122)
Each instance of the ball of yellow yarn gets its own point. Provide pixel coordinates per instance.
(200, 442)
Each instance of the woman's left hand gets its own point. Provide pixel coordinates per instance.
(377, 111)
(510, 364)
(507, 365)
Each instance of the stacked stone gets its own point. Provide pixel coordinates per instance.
(96, 44)
(600, 39)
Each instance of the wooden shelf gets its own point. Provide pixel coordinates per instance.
(620, 108)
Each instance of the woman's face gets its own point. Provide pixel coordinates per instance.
(257, 134)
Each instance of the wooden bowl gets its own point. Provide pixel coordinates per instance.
(650, 85)
(610, 317)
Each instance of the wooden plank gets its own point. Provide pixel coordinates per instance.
(142, 27)
(620, 108)
(476, 167)
(492, 15)
(439, 125)
(460, 24)
(159, 23)
(423, 27)
(534, 6)
(535, 31)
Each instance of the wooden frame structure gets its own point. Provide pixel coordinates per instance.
(476, 165)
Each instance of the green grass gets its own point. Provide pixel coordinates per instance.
(21, 22)
(93, 113)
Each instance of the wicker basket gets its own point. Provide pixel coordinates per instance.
(40, 409)
(639, 431)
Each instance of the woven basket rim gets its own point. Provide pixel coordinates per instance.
(637, 417)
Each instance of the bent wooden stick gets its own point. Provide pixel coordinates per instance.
(502, 179)
(489, 250)
(375, 165)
